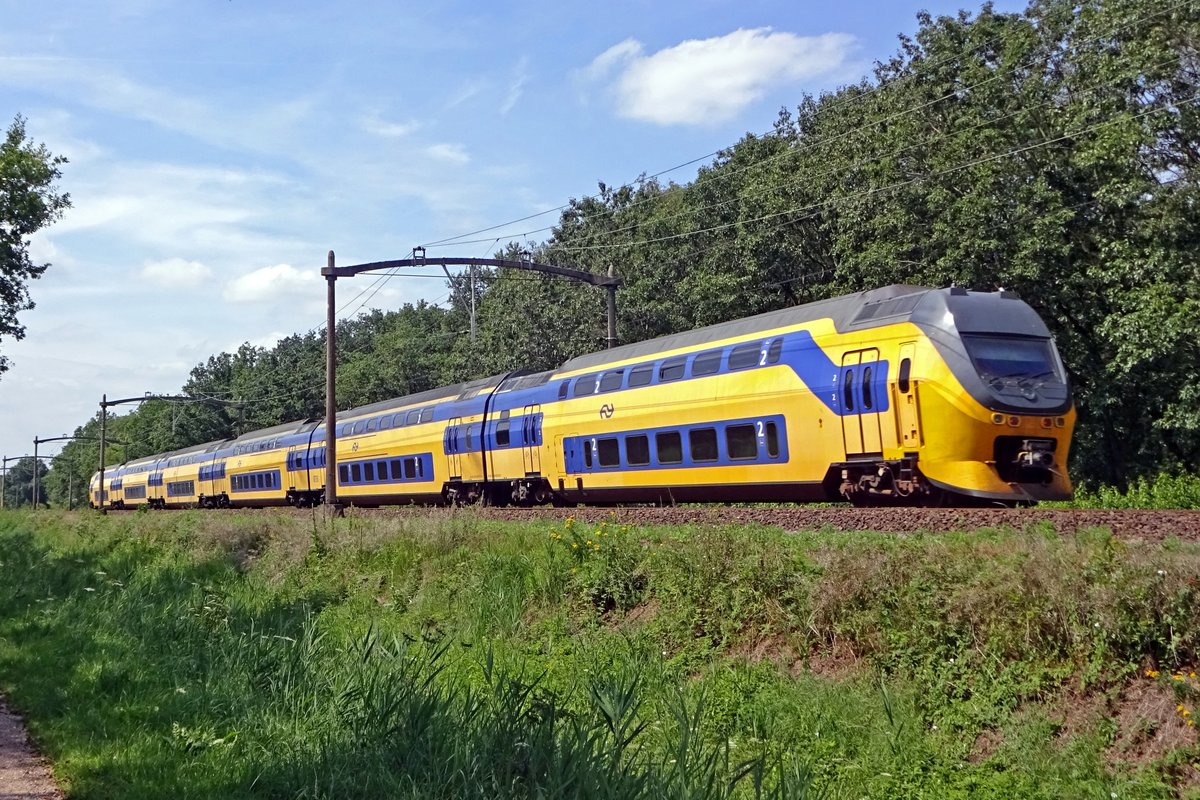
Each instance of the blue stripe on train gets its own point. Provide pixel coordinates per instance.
(769, 436)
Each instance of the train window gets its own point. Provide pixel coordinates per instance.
(775, 351)
(347, 429)
(640, 376)
(372, 425)
(848, 391)
(562, 390)
(708, 363)
(502, 435)
(398, 420)
(745, 356)
(368, 471)
(396, 469)
(360, 427)
(609, 452)
(426, 415)
(637, 450)
(905, 373)
(772, 440)
(587, 452)
(356, 472)
(670, 447)
(469, 445)
(413, 417)
(866, 389)
(671, 370)
(343, 473)
(703, 443)
(385, 422)
(410, 468)
(612, 380)
(420, 469)
(741, 442)
(585, 385)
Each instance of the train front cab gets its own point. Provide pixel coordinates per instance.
(978, 409)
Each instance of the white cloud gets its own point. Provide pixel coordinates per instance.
(517, 87)
(270, 283)
(449, 153)
(603, 64)
(176, 273)
(374, 124)
(710, 80)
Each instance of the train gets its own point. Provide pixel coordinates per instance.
(901, 395)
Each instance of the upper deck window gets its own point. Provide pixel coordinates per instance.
(585, 385)
(612, 380)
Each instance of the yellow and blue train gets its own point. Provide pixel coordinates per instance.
(900, 395)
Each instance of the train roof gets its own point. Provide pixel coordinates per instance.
(979, 311)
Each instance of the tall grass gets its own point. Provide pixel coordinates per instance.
(1165, 491)
(236, 655)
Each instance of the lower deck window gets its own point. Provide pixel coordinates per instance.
(703, 442)
(670, 447)
(741, 442)
(609, 452)
(637, 450)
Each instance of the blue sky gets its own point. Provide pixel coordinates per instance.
(219, 149)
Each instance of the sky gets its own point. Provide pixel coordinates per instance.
(219, 149)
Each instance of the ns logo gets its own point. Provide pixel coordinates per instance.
(606, 411)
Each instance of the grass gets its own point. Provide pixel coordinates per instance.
(1164, 491)
(258, 655)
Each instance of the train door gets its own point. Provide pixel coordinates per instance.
(297, 469)
(859, 382)
(450, 442)
(531, 439)
(908, 422)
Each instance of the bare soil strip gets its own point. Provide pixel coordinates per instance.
(24, 774)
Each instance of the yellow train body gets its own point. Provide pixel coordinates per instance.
(901, 395)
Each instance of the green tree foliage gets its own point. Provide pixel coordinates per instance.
(29, 202)
(18, 483)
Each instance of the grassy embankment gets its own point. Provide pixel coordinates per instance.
(249, 655)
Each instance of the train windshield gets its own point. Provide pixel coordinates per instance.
(1000, 358)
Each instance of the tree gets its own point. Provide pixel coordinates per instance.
(29, 202)
(18, 483)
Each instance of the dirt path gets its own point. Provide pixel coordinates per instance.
(23, 773)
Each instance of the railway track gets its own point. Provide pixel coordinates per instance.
(1149, 525)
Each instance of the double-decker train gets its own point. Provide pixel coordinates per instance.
(900, 395)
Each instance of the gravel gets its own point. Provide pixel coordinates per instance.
(1125, 523)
